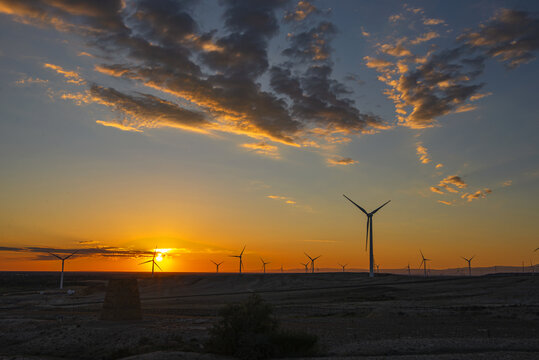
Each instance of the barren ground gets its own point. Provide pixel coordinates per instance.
(388, 317)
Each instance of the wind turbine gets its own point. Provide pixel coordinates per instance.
(312, 261)
(63, 259)
(409, 274)
(469, 264)
(153, 261)
(424, 263)
(369, 234)
(306, 266)
(377, 268)
(264, 265)
(217, 265)
(343, 266)
(240, 257)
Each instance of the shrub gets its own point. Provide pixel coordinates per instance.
(250, 331)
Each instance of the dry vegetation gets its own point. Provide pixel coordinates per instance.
(391, 316)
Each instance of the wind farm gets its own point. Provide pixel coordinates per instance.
(195, 179)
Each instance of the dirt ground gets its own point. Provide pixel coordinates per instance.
(354, 316)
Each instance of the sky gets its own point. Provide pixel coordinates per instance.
(201, 127)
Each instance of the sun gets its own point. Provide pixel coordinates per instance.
(159, 257)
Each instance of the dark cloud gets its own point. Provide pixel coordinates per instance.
(215, 75)
(147, 109)
(511, 36)
(445, 81)
(42, 253)
(302, 11)
(313, 44)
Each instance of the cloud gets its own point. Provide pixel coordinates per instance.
(302, 10)
(425, 37)
(313, 44)
(438, 166)
(395, 18)
(341, 161)
(263, 148)
(30, 80)
(72, 76)
(479, 96)
(423, 154)
(433, 21)
(284, 199)
(119, 126)
(213, 77)
(454, 180)
(449, 203)
(511, 36)
(452, 184)
(377, 63)
(507, 183)
(42, 253)
(427, 87)
(479, 194)
(140, 110)
(465, 108)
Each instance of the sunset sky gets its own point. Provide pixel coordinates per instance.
(203, 126)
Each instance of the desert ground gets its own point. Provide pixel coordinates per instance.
(354, 316)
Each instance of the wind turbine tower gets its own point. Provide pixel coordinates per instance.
(424, 262)
(217, 265)
(240, 256)
(312, 261)
(63, 259)
(343, 266)
(368, 240)
(409, 273)
(264, 265)
(469, 261)
(153, 261)
(306, 265)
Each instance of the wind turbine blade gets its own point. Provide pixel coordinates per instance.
(472, 258)
(243, 250)
(464, 258)
(220, 263)
(373, 212)
(234, 256)
(310, 258)
(359, 207)
(422, 261)
(159, 267)
(213, 262)
(145, 262)
(316, 257)
(423, 256)
(55, 255)
(73, 253)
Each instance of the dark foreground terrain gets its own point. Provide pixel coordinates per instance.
(389, 317)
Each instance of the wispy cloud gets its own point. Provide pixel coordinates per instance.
(71, 76)
(423, 154)
(263, 148)
(30, 80)
(341, 161)
(479, 194)
(119, 126)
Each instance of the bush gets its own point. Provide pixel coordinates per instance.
(250, 331)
